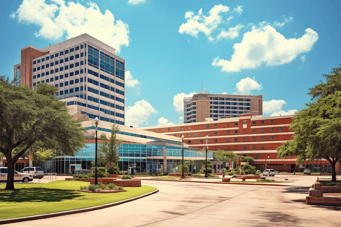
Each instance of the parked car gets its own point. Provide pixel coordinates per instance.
(258, 171)
(306, 171)
(269, 172)
(37, 172)
(24, 177)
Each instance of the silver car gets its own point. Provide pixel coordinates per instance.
(37, 172)
(269, 172)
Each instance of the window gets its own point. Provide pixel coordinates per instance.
(262, 122)
(61, 69)
(61, 77)
(61, 61)
(236, 131)
(71, 82)
(76, 56)
(253, 130)
(47, 65)
(61, 53)
(228, 132)
(257, 155)
(47, 73)
(244, 146)
(61, 85)
(244, 139)
(56, 55)
(201, 141)
(76, 81)
(34, 62)
(77, 47)
(66, 67)
(82, 54)
(71, 50)
(215, 133)
(215, 140)
(271, 129)
(51, 64)
(207, 126)
(235, 139)
(195, 134)
(254, 147)
(51, 56)
(163, 129)
(56, 70)
(227, 139)
(66, 75)
(38, 76)
(236, 123)
(52, 71)
(280, 129)
(188, 127)
(66, 51)
(262, 130)
(47, 58)
(76, 72)
(254, 122)
(195, 141)
(34, 69)
(66, 91)
(189, 135)
(271, 137)
(66, 59)
(215, 126)
(43, 67)
(82, 46)
(51, 79)
(262, 138)
(71, 66)
(182, 128)
(56, 78)
(253, 138)
(262, 146)
(71, 58)
(81, 79)
(76, 64)
(271, 121)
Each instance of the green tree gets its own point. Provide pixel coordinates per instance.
(43, 155)
(209, 167)
(226, 155)
(247, 159)
(33, 119)
(108, 150)
(318, 127)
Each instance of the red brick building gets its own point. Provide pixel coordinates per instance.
(246, 135)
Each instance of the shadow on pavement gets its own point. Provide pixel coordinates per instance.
(276, 217)
(37, 195)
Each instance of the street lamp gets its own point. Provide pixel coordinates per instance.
(96, 177)
(206, 156)
(182, 170)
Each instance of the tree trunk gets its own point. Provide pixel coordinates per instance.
(10, 174)
(333, 172)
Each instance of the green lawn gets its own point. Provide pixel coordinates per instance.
(33, 199)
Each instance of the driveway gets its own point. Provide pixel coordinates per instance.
(204, 204)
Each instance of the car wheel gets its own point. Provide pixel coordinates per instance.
(25, 180)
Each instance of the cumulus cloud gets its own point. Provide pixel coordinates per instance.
(238, 9)
(135, 2)
(246, 85)
(282, 113)
(73, 19)
(163, 121)
(224, 93)
(286, 20)
(201, 23)
(303, 58)
(130, 81)
(231, 34)
(179, 100)
(266, 46)
(273, 106)
(139, 113)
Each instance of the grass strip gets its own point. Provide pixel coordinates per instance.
(34, 199)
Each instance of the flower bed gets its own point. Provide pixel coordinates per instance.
(102, 191)
(124, 183)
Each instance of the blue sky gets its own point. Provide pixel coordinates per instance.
(277, 49)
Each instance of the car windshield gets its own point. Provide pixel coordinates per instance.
(16, 172)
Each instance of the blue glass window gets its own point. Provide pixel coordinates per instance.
(71, 73)
(56, 70)
(93, 57)
(71, 66)
(56, 55)
(51, 56)
(77, 48)
(66, 75)
(71, 50)
(77, 81)
(61, 53)
(52, 71)
(61, 69)
(47, 65)
(38, 61)
(47, 58)
(61, 93)
(81, 79)
(71, 58)
(34, 77)
(71, 82)
(61, 77)
(66, 83)
(66, 59)
(76, 72)
(66, 67)
(61, 61)
(56, 78)
(76, 56)
(47, 73)
(66, 51)
(51, 63)
(76, 64)
(66, 91)
(34, 62)
(51, 79)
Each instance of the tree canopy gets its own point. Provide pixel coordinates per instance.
(32, 119)
(318, 127)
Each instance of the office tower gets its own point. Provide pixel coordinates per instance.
(216, 106)
(88, 73)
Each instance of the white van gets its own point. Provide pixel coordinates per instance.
(269, 172)
(37, 172)
(24, 177)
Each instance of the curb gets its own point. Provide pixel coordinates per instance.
(221, 182)
(62, 213)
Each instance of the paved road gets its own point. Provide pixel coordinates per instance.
(197, 204)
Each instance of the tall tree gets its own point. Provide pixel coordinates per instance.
(108, 149)
(32, 119)
(318, 127)
(226, 155)
(43, 155)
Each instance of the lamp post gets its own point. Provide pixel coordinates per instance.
(182, 169)
(206, 156)
(96, 177)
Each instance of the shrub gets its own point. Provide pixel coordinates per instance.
(230, 173)
(249, 169)
(102, 186)
(92, 187)
(126, 177)
(112, 186)
(142, 173)
(120, 188)
(102, 172)
(76, 176)
(113, 170)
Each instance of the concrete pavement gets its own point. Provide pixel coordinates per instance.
(184, 204)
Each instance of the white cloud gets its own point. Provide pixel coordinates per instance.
(130, 81)
(12, 15)
(303, 58)
(231, 34)
(201, 23)
(266, 46)
(238, 9)
(224, 93)
(163, 121)
(139, 113)
(273, 106)
(135, 2)
(286, 20)
(246, 85)
(282, 113)
(73, 19)
(179, 101)
(181, 119)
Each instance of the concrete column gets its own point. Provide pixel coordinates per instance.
(165, 160)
